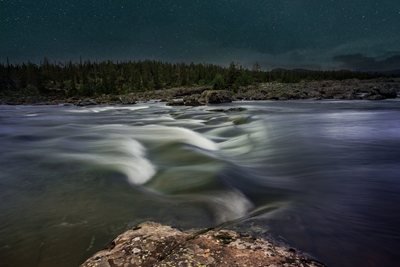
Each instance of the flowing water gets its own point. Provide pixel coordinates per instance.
(325, 173)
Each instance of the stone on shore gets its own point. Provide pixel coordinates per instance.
(351, 89)
(153, 244)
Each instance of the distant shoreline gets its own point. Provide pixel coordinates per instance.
(350, 89)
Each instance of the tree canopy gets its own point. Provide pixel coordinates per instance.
(107, 77)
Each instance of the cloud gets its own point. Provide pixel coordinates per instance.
(361, 54)
(359, 62)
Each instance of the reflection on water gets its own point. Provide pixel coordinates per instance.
(73, 178)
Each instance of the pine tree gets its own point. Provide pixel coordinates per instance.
(232, 74)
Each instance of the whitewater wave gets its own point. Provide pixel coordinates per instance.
(229, 205)
(119, 153)
(105, 108)
(167, 134)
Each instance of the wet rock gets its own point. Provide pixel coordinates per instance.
(238, 109)
(152, 244)
(175, 103)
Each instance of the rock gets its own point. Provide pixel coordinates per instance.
(86, 102)
(215, 96)
(72, 100)
(192, 100)
(153, 244)
(218, 110)
(175, 103)
(376, 94)
(127, 99)
(388, 93)
(351, 96)
(374, 97)
(238, 109)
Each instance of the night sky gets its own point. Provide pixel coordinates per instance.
(314, 34)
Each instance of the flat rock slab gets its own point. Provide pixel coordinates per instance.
(153, 244)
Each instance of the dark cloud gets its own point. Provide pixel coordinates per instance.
(359, 62)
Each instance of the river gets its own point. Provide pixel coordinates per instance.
(73, 178)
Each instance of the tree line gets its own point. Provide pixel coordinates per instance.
(90, 79)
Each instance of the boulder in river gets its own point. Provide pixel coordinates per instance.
(215, 96)
(192, 100)
(153, 244)
(175, 103)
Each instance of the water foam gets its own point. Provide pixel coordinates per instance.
(229, 205)
(105, 108)
(118, 153)
(178, 134)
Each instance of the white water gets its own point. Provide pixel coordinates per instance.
(72, 178)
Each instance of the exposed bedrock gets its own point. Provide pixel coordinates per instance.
(153, 244)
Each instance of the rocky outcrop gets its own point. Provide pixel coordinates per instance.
(152, 244)
(215, 96)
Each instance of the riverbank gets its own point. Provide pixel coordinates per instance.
(352, 89)
(153, 244)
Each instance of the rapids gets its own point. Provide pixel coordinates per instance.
(321, 176)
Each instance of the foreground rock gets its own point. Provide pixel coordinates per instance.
(152, 244)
